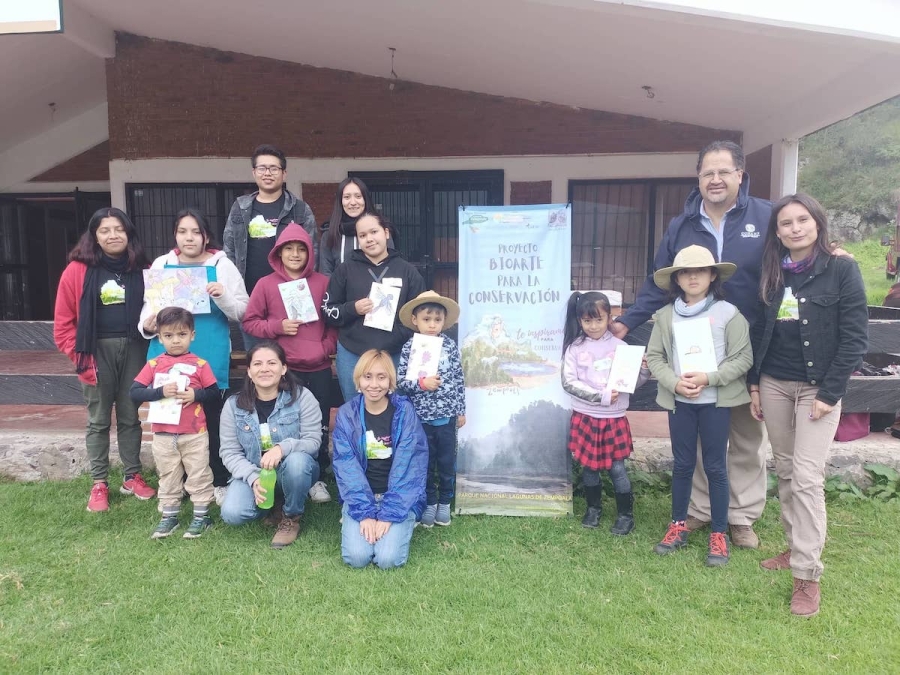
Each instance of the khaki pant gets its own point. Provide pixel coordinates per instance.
(800, 446)
(180, 454)
(746, 472)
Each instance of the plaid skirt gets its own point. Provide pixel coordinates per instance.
(596, 442)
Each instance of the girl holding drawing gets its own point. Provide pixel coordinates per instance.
(810, 336)
(286, 306)
(195, 248)
(365, 294)
(699, 351)
(600, 437)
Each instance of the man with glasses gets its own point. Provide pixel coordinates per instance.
(720, 215)
(256, 220)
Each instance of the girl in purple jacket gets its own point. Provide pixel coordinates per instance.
(599, 438)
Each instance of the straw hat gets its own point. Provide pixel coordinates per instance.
(692, 257)
(449, 306)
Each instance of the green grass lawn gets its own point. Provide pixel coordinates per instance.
(83, 592)
(870, 255)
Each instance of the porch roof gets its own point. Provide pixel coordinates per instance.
(764, 72)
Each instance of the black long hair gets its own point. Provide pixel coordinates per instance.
(332, 236)
(581, 305)
(247, 396)
(772, 277)
(87, 250)
(202, 223)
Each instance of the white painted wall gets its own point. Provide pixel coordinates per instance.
(558, 169)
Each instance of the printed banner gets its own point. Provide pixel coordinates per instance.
(514, 281)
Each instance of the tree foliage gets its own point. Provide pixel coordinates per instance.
(854, 165)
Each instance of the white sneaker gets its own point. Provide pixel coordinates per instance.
(220, 493)
(318, 493)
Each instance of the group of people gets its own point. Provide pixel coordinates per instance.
(758, 325)
(384, 443)
(787, 326)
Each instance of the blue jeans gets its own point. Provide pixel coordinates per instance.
(441, 477)
(295, 475)
(345, 363)
(686, 422)
(392, 550)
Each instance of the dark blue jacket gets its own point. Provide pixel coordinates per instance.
(745, 232)
(834, 322)
(406, 481)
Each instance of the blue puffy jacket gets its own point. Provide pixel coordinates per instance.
(406, 481)
(745, 233)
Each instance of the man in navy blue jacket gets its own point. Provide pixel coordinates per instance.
(720, 215)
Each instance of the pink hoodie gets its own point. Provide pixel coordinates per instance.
(311, 348)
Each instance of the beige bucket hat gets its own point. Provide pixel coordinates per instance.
(692, 257)
(449, 305)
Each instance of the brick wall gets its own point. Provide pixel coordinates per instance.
(91, 164)
(320, 197)
(530, 192)
(170, 99)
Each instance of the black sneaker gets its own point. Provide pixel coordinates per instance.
(676, 537)
(167, 525)
(198, 526)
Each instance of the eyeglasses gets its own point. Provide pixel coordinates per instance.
(722, 173)
(263, 170)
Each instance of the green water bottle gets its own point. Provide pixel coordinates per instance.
(267, 483)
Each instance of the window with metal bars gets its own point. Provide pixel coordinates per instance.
(153, 206)
(616, 227)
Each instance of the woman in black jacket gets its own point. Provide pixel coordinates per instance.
(351, 297)
(338, 238)
(810, 335)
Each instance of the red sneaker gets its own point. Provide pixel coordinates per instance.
(99, 499)
(137, 487)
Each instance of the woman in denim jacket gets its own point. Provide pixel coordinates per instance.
(809, 337)
(380, 463)
(273, 423)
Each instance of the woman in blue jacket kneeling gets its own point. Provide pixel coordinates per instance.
(380, 463)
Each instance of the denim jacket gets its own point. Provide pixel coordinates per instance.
(236, 227)
(834, 320)
(406, 481)
(296, 427)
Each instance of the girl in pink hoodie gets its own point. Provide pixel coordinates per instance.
(309, 345)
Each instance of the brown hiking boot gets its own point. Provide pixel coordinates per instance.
(693, 524)
(782, 561)
(287, 532)
(743, 536)
(805, 598)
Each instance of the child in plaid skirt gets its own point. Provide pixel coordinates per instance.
(599, 438)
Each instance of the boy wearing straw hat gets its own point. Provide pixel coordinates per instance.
(439, 399)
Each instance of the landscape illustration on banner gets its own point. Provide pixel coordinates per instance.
(514, 282)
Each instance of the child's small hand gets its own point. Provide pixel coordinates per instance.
(687, 389)
(290, 327)
(431, 383)
(215, 289)
(460, 421)
(613, 396)
(170, 390)
(150, 324)
(364, 306)
(186, 397)
(698, 379)
(644, 365)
